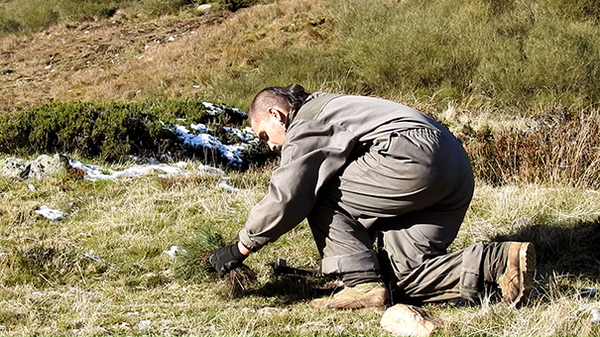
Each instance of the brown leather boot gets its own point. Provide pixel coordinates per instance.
(517, 279)
(365, 295)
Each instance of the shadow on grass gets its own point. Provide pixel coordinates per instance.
(563, 249)
(570, 250)
(567, 257)
(289, 289)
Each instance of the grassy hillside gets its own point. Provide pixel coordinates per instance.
(520, 56)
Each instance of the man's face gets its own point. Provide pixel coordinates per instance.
(271, 130)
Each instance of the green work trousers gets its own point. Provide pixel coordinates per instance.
(410, 191)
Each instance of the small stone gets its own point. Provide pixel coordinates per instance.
(595, 316)
(408, 320)
(174, 251)
(589, 291)
(204, 8)
(14, 168)
(31, 187)
(45, 166)
(49, 213)
(142, 325)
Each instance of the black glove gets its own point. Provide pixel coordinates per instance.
(225, 259)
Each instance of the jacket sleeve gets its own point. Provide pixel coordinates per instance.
(313, 152)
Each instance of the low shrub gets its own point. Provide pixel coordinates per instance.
(112, 131)
(561, 148)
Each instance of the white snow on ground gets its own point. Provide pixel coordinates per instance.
(224, 185)
(49, 213)
(245, 135)
(232, 152)
(201, 136)
(95, 173)
(174, 251)
(210, 169)
(213, 109)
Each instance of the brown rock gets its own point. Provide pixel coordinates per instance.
(408, 320)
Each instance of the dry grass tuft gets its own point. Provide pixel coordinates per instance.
(239, 280)
(558, 148)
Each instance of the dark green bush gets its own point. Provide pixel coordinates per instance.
(108, 131)
(112, 131)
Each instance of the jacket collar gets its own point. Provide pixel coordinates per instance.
(293, 113)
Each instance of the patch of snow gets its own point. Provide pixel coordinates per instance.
(174, 251)
(200, 128)
(245, 135)
(595, 316)
(230, 152)
(49, 213)
(204, 8)
(210, 169)
(213, 110)
(31, 187)
(95, 173)
(94, 258)
(224, 185)
(142, 325)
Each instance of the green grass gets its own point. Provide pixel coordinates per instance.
(516, 55)
(51, 286)
(29, 16)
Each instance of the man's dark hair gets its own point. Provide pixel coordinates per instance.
(291, 97)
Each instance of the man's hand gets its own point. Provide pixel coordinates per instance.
(227, 258)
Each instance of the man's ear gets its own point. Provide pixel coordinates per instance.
(278, 115)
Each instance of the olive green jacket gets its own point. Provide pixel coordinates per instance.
(324, 133)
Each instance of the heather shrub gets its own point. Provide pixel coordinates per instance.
(112, 131)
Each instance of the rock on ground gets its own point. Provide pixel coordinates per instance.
(14, 167)
(45, 166)
(42, 167)
(408, 320)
